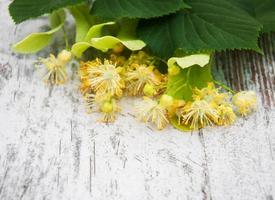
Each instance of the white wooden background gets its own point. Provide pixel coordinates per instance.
(51, 149)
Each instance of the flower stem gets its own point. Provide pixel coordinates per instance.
(65, 39)
(225, 87)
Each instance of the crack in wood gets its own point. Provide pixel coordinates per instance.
(206, 188)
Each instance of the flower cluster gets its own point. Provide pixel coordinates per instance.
(210, 106)
(103, 83)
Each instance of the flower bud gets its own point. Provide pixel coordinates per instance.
(64, 56)
(118, 48)
(173, 70)
(149, 90)
(245, 102)
(166, 100)
(107, 107)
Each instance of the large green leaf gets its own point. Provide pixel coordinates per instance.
(262, 10)
(136, 8)
(209, 25)
(22, 10)
(37, 41)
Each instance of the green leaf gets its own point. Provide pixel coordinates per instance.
(95, 31)
(111, 9)
(197, 74)
(108, 42)
(261, 10)
(81, 22)
(21, 10)
(37, 41)
(95, 39)
(209, 25)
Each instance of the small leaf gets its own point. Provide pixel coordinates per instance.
(79, 48)
(95, 39)
(82, 23)
(56, 18)
(37, 41)
(187, 61)
(21, 10)
(95, 31)
(112, 9)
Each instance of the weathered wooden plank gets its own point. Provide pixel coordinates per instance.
(241, 158)
(51, 149)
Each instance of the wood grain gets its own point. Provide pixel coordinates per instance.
(51, 149)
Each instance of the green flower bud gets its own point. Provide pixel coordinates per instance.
(64, 56)
(149, 90)
(166, 100)
(173, 70)
(107, 107)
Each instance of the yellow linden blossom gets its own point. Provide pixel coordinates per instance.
(175, 108)
(226, 115)
(211, 94)
(102, 78)
(94, 101)
(56, 67)
(199, 94)
(85, 86)
(119, 60)
(138, 59)
(245, 102)
(138, 78)
(151, 111)
(198, 114)
(109, 109)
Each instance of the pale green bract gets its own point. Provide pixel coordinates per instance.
(81, 23)
(188, 61)
(37, 41)
(95, 31)
(104, 43)
(108, 42)
(195, 72)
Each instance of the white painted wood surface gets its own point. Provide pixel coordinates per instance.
(51, 149)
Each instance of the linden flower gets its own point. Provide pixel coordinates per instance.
(93, 101)
(119, 60)
(198, 114)
(206, 93)
(226, 115)
(151, 111)
(138, 59)
(245, 102)
(85, 86)
(56, 67)
(104, 78)
(138, 78)
(109, 109)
